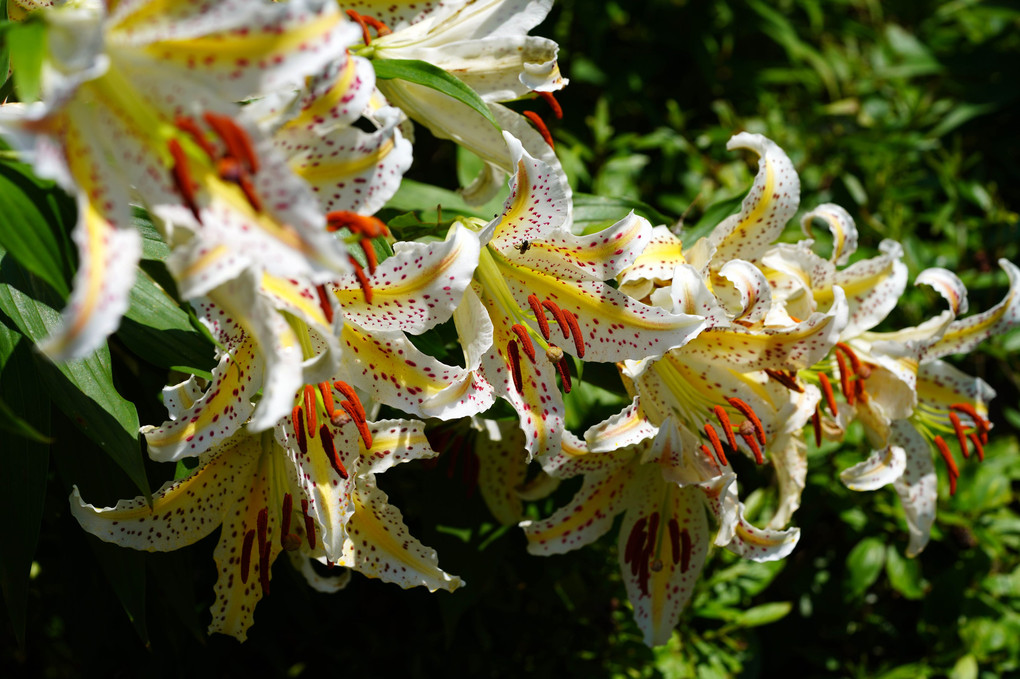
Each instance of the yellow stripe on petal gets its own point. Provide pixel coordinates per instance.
(322, 106)
(300, 298)
(321, 171)
(220, 412)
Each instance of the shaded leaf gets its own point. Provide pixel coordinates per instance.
(864, 564)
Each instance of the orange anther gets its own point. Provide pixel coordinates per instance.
(564, 369)
(947, 456)
(540, 126)
(182, 177)
(514, 358)
(359, 422)
(526, 345)
(309, 524)
(327, 396)
(186, 124)
(713, 437)
(352, 396)
(830, 398)
(961, 436)
(326, 439)
(575, 332)
(288, 507)
(553, 104)
(366, 285)
(310, 409)
(724, 420)
(844, 379)
(249, 540)
(370, 256)
(977, 446)
(749, 414)
(786, 379)
(557, 313)
(816, 422)
(365, 35)
(298, 421)
(235, 138)
(369, 227)
(324, 303)
(537, 308)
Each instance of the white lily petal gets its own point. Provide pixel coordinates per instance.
(842, 227)
(917, 487)
(880, 469)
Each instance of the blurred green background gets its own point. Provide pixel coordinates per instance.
(902, 112)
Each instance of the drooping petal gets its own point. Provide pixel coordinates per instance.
(788, 452)
(320, 583)
(588, 516)
(415, 289)
(216, 415)
(502, 469)
(772, 201)
(750, 284)
(880, 469)
(917, 486)
(689, 294)
(183, 511)
(842, 227)
(965, 334)
(380, 546)
(660, 581)
(654, 264)
(627, 428)
(394, 442)
(872, 287)
(760, 544)
(233, 609)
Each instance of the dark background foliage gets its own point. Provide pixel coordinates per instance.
(903, 112)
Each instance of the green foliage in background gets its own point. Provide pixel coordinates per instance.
(903, 112)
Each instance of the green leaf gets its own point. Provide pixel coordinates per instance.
(864, 564)
(414, 195)
(714, 214)
(904, 574)
(158, 330)
(82, 388)
(590, 210)
(25, 464)
(153, 245)
(424, 73)
(764, 614)
(27, 43)
(26, 226)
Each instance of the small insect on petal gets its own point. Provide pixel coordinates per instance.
(536, 307)
(540, 126)
(724, 420)
(575, 332)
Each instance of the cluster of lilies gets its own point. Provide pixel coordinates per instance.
(260, 141)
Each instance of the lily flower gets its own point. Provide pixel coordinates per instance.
(138, 104)
(666, 495)
(535, 278)
(313, 495)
